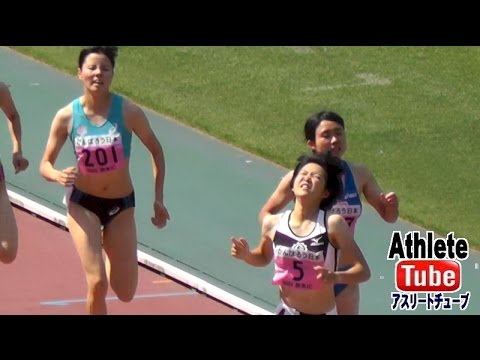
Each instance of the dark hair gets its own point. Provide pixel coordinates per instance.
(334, 169)
(314, 120)
(110, 52)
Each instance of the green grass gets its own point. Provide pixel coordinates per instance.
(412, 113)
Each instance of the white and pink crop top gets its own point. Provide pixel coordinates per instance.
(295, 256)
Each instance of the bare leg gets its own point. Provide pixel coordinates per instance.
(86, 232)
(120, 244)
(8, 228)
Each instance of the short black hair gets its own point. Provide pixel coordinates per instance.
(110, 52)
(334, 169)
(314, 120)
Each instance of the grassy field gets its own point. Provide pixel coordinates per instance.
(412, 113)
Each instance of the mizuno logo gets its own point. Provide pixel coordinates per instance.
(316, 241)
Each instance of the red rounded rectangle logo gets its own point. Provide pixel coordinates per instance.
(428, 275)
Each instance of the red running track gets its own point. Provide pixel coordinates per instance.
(46, 279)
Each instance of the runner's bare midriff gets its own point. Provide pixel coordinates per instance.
(309, 301)
(111, 185)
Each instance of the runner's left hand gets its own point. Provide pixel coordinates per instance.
(161, 215)
(325, 275)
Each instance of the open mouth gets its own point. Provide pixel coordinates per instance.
(305, 185)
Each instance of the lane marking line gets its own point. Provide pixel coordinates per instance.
(112, 298)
